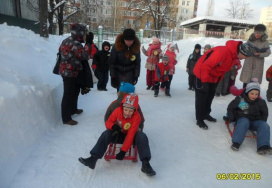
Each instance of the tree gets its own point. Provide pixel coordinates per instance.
(43, 18)
(210, 8)
(239, 9)
(163, 13)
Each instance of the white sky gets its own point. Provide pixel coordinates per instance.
(221, 5)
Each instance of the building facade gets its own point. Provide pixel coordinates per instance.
(266, 19)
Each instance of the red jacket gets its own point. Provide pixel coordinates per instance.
(162, 72)
(172, 60)
(269, 73)
(129, 125)
(220, 60)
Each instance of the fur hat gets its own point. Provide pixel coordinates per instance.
(197, 46)
(165, 58)
(129, 34)
(260, 28)
(207, 46)
(247, 49)
(77, 30)
(126, 87)
(252, 86)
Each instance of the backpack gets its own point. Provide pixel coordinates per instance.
(56, 68)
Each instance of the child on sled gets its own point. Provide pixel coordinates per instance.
(250, 112)
(123, 127)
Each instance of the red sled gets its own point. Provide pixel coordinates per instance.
(113, 148)
(231, 129)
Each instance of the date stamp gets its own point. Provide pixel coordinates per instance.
(238, 176)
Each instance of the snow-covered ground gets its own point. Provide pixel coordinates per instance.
(38, 151)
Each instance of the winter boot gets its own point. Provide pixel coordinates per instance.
(71, 122)
(79, 111)
(167, 92)
(210, 118)
(202, 124)
(156, 92)
(90, 162)
(147, 169)
(148, 87)
(263, 150)
(235, 146)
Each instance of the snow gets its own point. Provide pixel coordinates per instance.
(37, 150)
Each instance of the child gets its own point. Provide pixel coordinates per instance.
(250, 112)
(154, 54)
(124, 89)
(101, 66)
(91, 49)
(170, 52)
(222, 87)
(162, 75)
(207, 47)
(193, 58)
(237, 92)
(122, 126)
(233, 75)
(269, 79)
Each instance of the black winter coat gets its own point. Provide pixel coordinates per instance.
(85, 78)
(254, 110)
(101, 60)
(125, 62)
(193, 58)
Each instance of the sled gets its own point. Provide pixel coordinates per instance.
(114, 148)
(231, 129)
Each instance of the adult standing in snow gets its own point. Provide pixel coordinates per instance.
(209, 71)
(123, 127)
(253, 66)
(125, 59)
(71, 70)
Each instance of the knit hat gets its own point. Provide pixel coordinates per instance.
(207, 46)
(252, 86)
(260, 28)
(172, 45)
(197, 46)
(155, 39)
(129, 34)
(130, 101)
(165, 58)
(247, 49)
(126, 87)
(77, 30)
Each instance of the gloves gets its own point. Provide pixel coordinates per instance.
(114, 82)
(85, 90)
(115, 128)
(205, 87)
(120, 155)
(135, 80)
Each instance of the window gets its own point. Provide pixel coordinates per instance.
(187, 11)
(188, 2)
(108, 3)
(123, 4)
(183, 2)
(94, 19)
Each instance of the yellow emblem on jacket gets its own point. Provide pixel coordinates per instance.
(133, 57)
(127, 126)
(155, 53)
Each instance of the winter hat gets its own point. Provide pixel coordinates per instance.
(172, 45)
(197, 46)
(207, 46)
(155, 39)
(77, 30)
(129, 34)
(130, 101)
(165, 58)
(260, 28)
(254, 80)
(89, 38)
(246, 49)
(126, 87)
(252, 86)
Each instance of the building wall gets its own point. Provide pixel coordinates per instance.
(187, 10)
(266, 19)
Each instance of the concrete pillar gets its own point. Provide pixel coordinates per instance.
(202, 30)
(227, 32)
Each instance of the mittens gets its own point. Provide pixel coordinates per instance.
(120, 155)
